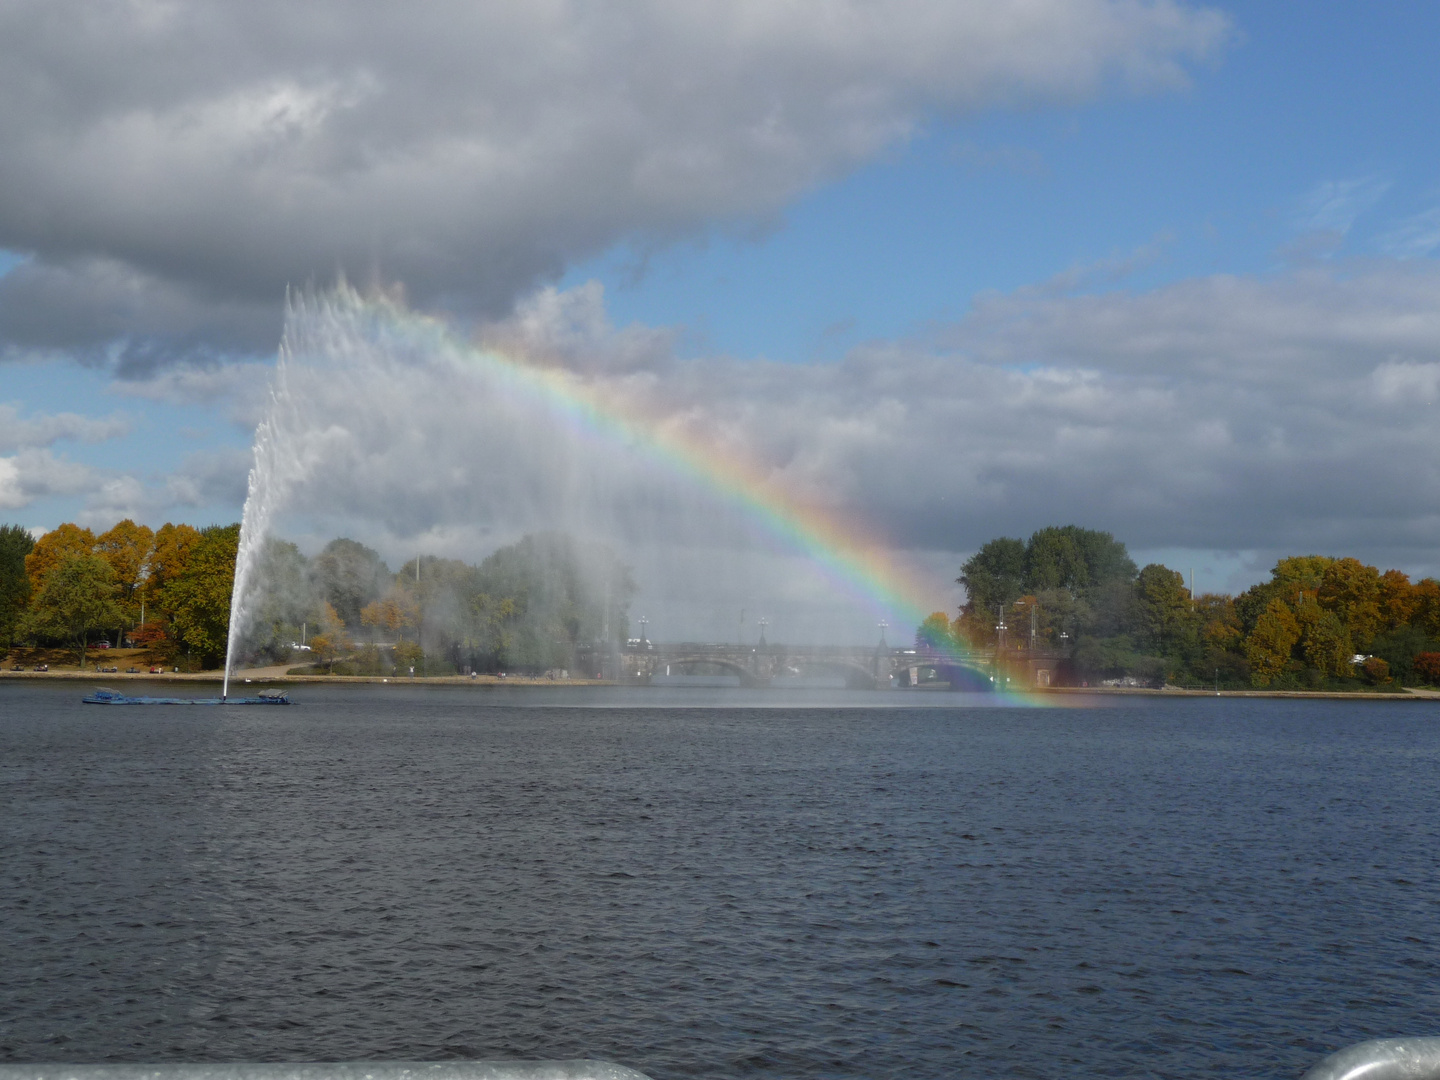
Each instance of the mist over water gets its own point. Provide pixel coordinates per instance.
(384, 428)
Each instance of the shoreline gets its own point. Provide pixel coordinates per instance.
(253, 677)
(261, 675)
(1402, 694)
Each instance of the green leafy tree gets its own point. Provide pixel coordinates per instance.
(1399, 600)
(1402, 648)
(173, 544)
(1091, 569)
(1054, 559)
(127, 547)
(1112, 608)
(1325, 642)
(1165, 614)
(1269, 645)
(15, 543)
(54, 547)
(1352, 590)
(394, 613)
(1069, 557)
(1301, 574)
(333, 641)
(1426, 596)
(281, 601)
(198, 600)
(1291, 580)
(80, 595)
(993, 576)
(494, 620)
(935, 633)
(348, 575)
(323, 650)
(563, 594)
(408, 656)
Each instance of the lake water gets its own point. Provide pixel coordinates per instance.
(728, 886)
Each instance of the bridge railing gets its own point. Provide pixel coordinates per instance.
(1382, 1059)
(355, 1070)
(1378, 1059)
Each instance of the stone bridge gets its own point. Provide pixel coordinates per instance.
(806, 665)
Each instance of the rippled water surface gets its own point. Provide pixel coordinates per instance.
(1178, 888)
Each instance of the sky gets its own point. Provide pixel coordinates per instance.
(950, 270)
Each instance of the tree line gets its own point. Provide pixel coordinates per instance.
(168, 590)
(1317, 622)
(543, 602)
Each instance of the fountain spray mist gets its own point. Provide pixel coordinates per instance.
(384, 427)
(269, 476)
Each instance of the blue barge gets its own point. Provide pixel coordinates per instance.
(105, 696)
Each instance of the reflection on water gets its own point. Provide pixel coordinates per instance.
(719, 883)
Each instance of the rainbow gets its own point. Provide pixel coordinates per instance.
(845, 550)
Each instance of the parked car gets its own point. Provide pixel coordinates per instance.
(102, 644)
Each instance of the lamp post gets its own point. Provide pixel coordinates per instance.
(1000, 629)
(1032, 605)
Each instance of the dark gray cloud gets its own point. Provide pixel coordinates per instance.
(103, 312)
(171, 166)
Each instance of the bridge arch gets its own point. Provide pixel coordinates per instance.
(730, 667)
(857, 675)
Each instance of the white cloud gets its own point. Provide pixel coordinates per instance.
(241, 388)
(12, 496)
(1415, 237)
(1246, 328)
(1333, 205)
(17, 433)
(207, 479)
(1268, 414)
(466, 149)
(33, 475)
(1403, 382)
